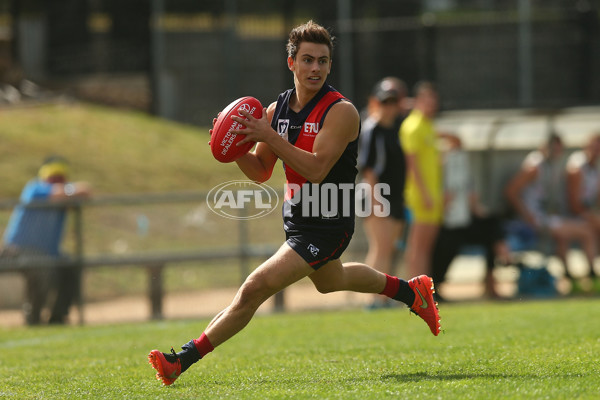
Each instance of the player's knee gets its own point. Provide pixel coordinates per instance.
(252, 293)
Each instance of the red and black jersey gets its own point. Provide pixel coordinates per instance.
(329, 204)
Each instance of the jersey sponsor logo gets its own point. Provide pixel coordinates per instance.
(311, 128)
(314, 250)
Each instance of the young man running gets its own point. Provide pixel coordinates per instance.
(313, 129)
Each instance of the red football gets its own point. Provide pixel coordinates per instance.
(222, 142)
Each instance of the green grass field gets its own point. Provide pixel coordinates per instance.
(503, 350)
(117, 151)
(524, 350)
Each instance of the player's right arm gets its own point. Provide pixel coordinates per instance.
(258, 165)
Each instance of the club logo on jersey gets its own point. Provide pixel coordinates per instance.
(314, 250)
(283, 127)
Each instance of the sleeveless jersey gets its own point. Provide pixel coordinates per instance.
(330, 204)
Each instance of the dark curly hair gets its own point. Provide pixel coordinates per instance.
(309, 32)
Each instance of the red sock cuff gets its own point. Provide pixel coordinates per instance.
(203, 345)
(391, 286)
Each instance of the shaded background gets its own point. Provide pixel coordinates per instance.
(184, 59)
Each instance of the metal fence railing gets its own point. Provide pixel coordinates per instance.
(152, 231)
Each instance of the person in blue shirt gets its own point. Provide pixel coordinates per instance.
(38, 231)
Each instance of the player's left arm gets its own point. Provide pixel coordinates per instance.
(340, 127)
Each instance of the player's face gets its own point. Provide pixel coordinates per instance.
(311, 66)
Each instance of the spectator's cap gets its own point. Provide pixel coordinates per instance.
(53, 166)
(385, 90)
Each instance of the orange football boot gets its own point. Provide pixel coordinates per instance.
(167, 366)
(424, 305)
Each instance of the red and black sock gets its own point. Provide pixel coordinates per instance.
(398, 289)
(193, 351)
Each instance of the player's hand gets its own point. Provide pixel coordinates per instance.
(255, 129)
(214, 121)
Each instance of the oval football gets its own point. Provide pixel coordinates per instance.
(223, 142)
